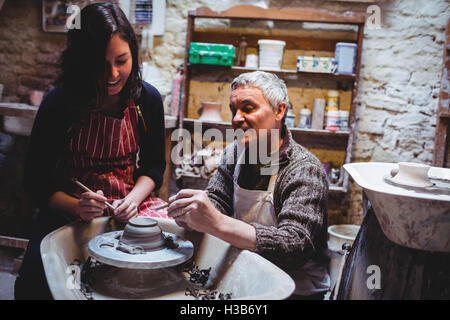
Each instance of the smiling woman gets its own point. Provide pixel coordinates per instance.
(104, 44)
(97, 126)
(119, 64)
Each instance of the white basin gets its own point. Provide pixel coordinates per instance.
(18, 118)
(409, 217)
(18, 126)
(235, 271)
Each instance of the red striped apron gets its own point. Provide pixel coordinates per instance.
(102, 153)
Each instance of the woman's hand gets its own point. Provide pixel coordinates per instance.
(126, 209)
(91, 205)
(192, 209)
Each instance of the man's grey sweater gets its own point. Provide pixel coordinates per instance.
(300, 201)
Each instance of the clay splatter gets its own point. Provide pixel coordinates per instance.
(198, 278)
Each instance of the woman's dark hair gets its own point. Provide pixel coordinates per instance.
(84, 75)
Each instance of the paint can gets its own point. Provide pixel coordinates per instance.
(333, 117)
(305, 118)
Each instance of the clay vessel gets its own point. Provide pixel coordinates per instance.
(143, 232)
(413, 175)
(210, 111)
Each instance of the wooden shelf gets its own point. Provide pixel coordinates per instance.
(305, 40)
(249, 12)
(227, 125)
(335, 76)
(22, 110)
(18, 110)
(321, 132)
(13, 242)
(444, 115)
(309, 138)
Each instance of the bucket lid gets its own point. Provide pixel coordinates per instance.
(344, 231)
(267, 41)
(305, 111)
(346, 44)
(333, 93)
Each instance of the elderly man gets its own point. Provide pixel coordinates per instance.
(282, 216)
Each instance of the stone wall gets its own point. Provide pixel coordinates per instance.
(28, 56)
(401, 68)
(28, 61)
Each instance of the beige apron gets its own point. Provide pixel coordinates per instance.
(257, 206)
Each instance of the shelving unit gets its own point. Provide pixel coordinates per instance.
(441, 154)
(311, 38)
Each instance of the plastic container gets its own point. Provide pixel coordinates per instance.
(333, 99)
(210, 111)
(345, 55)
(242, 53)
(290, 119)
(270, 54)
(343, 119)
(316, 64)
(212, 53)
(251, 61)
(305, 119)
(318, 114)
(337, 236)
(333, 119)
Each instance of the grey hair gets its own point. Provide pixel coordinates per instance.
(273, 88)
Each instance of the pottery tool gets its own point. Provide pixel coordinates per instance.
(82, 186)
(165, 205)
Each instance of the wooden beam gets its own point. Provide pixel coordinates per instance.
(443, 111)
(13, 242)
(18, 110)
(285, 14)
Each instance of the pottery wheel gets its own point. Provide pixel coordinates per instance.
(439, 187)
(106, 248)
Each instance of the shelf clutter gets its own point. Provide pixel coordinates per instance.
(320, 66)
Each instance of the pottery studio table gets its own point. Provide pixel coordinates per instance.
(405, 273)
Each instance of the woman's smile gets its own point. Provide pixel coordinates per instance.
(119, 64)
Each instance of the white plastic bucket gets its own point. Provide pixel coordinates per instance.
(337, 236)
(270, 54)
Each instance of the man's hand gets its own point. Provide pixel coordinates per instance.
(192, 209)
(91, 205)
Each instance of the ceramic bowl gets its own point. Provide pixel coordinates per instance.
(413, 175)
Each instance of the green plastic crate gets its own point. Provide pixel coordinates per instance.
(212, 53)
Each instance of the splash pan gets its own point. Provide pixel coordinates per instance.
(229, 273)
(104, 249)
(417, 218)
